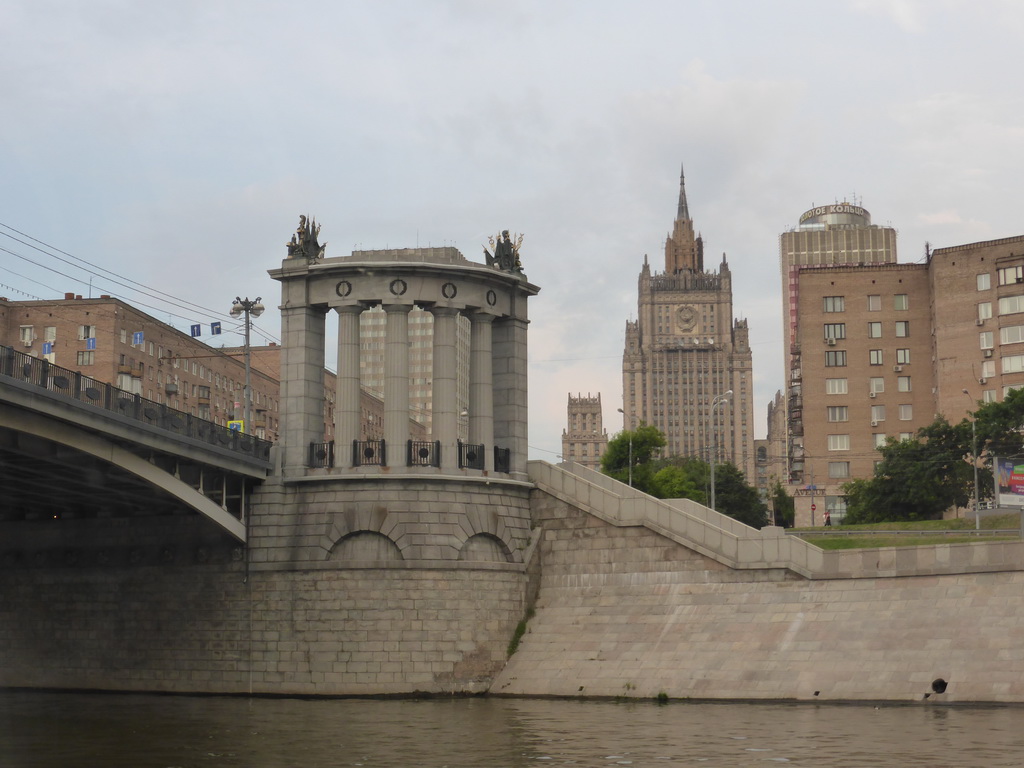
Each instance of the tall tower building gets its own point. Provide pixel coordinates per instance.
(685, 352)
(584, 439)
(827, 236)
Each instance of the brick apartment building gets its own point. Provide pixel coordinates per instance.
(101, 339)
(880, 350)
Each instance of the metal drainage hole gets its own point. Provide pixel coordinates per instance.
(939, 685)
(424, 453)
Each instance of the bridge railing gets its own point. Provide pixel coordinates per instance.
(44, 375)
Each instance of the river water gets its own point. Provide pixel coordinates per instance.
(48, 730)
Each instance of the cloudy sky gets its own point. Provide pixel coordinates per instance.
(174, 145)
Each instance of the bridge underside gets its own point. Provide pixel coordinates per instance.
(58, 474)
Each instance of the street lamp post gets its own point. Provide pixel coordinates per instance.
(715, 402)
(630, 475)
(974, 461)
(251, 309)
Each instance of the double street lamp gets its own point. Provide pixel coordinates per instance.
(716, 401)
(251, 309)
(974, 461)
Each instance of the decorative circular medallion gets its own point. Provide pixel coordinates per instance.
(343, 289)
(686, 318)
(492, 298)
(398, 286)
(448, 290)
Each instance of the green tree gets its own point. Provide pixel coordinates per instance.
(917, 479)
(783, 505)
(675, 481)
(735, 497)
(639, 446)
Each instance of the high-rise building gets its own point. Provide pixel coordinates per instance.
(687, 367)
(880, 349)
(584, 440)
(372, 324)
(826, 236)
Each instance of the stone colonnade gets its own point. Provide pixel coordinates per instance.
(493, 301)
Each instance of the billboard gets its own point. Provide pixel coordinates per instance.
(1009, 482)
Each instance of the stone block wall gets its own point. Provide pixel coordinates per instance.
(165, 604)
(622, 611)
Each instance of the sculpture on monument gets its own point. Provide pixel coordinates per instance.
(504, 253)
(304, 242)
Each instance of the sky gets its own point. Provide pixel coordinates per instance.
(174, 146)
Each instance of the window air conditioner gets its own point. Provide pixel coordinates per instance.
(898, 368)
(988, 353)
(873, 394)
(874, 423)
(831, 342)
(979, 321)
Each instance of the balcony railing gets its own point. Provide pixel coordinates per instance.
(46, 376)
(471, 456)
(321, 454)
(369, 453)
(423, 453)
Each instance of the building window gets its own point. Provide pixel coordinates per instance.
(876, 385)
(874, 330)
(835, 386)
(984, 281)
(906, 436)
(835, 330)
(1013, 334)
(874, 303)
(835, 303)
(838, 469)
(906, 412)
(878, 413)
(835, 358)
(902, 356)
(27, 333)
(1013, 363)
(50, 333)
(985, 310)
(988, 396)
(839, 442)
(875, 356)
(1010, 275)
(902, 328)
(86, 358)
(902, 383)
(986, 340)
(879, 438)
(838, 413)
(86, 332)
(1010, 305)
(988, 369)
(900, 301)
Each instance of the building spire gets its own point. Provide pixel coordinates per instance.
(684, 209)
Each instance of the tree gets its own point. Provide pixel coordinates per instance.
(685, 480)
(737, 498)
(917, 479)
(783, 505)
(638, 446)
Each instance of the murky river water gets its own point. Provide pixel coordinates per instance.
(44, 730)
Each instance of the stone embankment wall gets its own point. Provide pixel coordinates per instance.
(344, 595)
(625, 611)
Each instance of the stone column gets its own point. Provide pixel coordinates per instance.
(445, 387)
(348, 404)
(481, 386)
(510, 389)
(302, 383)
(396, 382)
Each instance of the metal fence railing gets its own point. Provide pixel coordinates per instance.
(44, 375)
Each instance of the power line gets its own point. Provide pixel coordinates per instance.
(152, 293)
